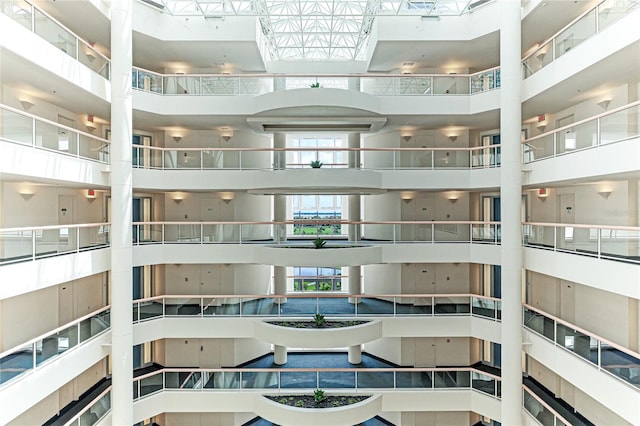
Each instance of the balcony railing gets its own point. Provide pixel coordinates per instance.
(333, 305)
(291, 158)
(94, 412)
(257, 84)
(617, 125)
(37, 242)
(27, 129)
(620, 243)
(278, 379)
(379, 232)
(45, 26)
(580, 29)
(621, 362)
(35, 353)
(540, 410)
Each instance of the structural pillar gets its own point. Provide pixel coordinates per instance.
(354, 354)
(279, 354)
(121, 214)
(511, 200)
(280, 283)
(355, 283)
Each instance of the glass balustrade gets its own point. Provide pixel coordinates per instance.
(32, 355)
(19, 127)
(92, 414)
(296, 305)
(46, 27)
(24, 244)
(262, 232)
(310, 378)
(617, 360)
(588, 24)
(614, 126)
(292, 158)
(620, 243)
(541, 411)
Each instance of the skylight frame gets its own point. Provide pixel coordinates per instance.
(316, 30)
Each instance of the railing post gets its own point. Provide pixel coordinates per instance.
(162, 232)
(599, 242)
(34, 352)
(555, 144)
(201, 233)
(33, 245)
(598, 134)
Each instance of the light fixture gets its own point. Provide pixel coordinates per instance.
(26, 194)
(453, 199)
(177, 138)
(406, 138)
(91, 194)
(226, 196)
(90, 127)
(226, 133)
(177, 200)
(542, 194)
(541, 127)
(604, 103)
(90, 56)
(407, 196)
(226, 138)
(604, 194)
(26, 105)
(452, 138)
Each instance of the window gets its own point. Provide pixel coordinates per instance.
(311, 278)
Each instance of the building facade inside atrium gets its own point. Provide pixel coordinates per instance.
(372, 212)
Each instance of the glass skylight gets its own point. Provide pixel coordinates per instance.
(315, 30)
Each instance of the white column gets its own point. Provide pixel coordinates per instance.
(354, 355)
(353, 140)
(280, 157)
(280, 282)
(279, 354)
(121, 214)
(355, 283)
(511, 199)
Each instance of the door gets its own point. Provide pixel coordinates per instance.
(66, 237)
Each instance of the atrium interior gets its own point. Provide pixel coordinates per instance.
(372, 212)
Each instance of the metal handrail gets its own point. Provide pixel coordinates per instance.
(88, 407)
(547, 406)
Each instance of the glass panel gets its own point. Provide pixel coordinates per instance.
(183, 380)
(337, 379)
(148, 81)
(16, 363)
(539, 323)
(538, 149)
(450, 85)
(182, 233)
(18, 10)
(97, 410)
(182, 307)
(255, 233)
(181, 85)
(414, 379)
(484, 307)
(540, 59)
(16, 127)
(55, 138)
(538, 411)
(578, 137)
(452, 379)
(575, 34)
(55, 34)
(266, 380)
(56, 344)
(375, 379)
(412, 85)
(149, 310)
(612, 10)
(151, 384)
(577, 342)
(618, 126)
(381, 86)
(621, 364)
(221, 380)
(539, 235)
(93, 149)
(17, 245)
(258, 306)
(483, 82)
(483, 383)
(619, 243)
(216, 85)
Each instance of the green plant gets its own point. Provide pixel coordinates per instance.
(299, 325)
(282, 401)
(315, 85)
(319, 320)
(316, 164)
(300, 403)
(337, 403)
(319, 243)
(352, 401)
(318, 395)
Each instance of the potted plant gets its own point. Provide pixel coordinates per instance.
(315, 85)
(319, 243)
(316, 164)
(319, 320)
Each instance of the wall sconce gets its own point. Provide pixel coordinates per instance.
(605, 103)
(226, 196)
(452, 138)
(226, 133)
(26, 194)
(541, 127)
(177, 138)
(26, 105)
(406, 138)
(177, 200)
(90, 127)
(453, 200)
(542, 194)
(91, 194)
(90, 56)
(604, 194)
(407, 196)
(226, 138)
